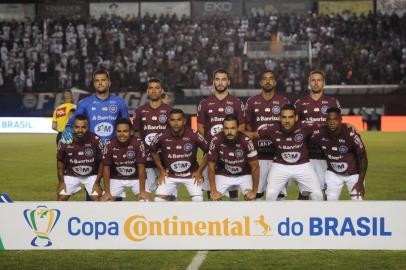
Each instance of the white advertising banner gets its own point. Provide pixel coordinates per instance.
(113, 9)
(391, 6)
(17, 12)
(26, 125)
(166, 8)
(203, 226)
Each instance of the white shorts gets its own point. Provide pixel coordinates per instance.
(227, 183)
(117, 187)
(335, 183)
(264, 169)
(152, 175)
(320, 168)
(303, 174)
(73, 184)
(206, 183)
(171, 186)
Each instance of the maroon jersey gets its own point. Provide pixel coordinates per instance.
(232, 159)
(81, 158)
(290, 147)
(150, 122)
(341, 152)
(124, 157)
(315, 111)
(179, 152)
(212, 111)
(259, 112)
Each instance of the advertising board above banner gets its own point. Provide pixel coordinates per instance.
(96, 10)
(26, 125)
(210, 8)
(16, 12)
(203, 226)
(391, 6)
(55, 10)
(165, 8)
(262, 7)
(337, 7)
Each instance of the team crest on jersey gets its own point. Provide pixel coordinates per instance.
(187, 147)
(88, 152)
(239, 153)
(162, 118)
(113, 108)
(276, 109)
(229, 110)
(343, 149)
(324, 109)
(130, 154)
(298, 138)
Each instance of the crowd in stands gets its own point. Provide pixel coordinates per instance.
(52, 54)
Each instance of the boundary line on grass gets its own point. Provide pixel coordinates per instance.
(197, 260)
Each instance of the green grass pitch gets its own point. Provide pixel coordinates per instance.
(27, 173)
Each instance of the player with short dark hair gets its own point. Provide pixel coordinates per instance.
(346, 157)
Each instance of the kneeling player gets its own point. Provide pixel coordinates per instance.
(79, 162)
(124, 164)
(232, 162)
(179, 149)
(346, 157)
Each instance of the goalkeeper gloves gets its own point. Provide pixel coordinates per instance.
(67, 135)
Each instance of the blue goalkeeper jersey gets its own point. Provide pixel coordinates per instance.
(101, 114)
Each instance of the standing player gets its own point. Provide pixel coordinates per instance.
(79, 162)
(233, 162)
(124, 163)
(291, 155)
(264, 109)
(61, 114)
(313, 109)
(212, 111)
(150, 120)
(346, 157)
(179, 146)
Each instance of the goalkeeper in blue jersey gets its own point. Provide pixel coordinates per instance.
(102, 110)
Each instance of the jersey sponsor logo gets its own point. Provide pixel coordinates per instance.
(154, 118)
(149, 138)
(130, 154)
(324, 109)
(188, 147)
(125, 170)
(221, 109)
(343, 149)
(238, 153)
(180, 166)
(113, 108)
(103, 129)
(82, 170)
(88, 152)
(264, 143)
(276, 109)
(162, 118)
(291, 157)
(61, 112)
(232, 169)
(267, 109)
(339, 167)
(298, 138)
(316, 109)
(216, 129)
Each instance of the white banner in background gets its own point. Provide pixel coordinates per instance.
(203, 226)
(113, 9)
(391, 6)
(166, 8)
(26, 125)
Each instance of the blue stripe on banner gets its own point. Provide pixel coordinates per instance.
(4, 198)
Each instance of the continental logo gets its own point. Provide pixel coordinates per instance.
(138, 228)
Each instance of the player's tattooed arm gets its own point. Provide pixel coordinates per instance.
(363, 166)
(252, 194)
(106, 183)
(215, 195)
(61, 182)
(158, 164)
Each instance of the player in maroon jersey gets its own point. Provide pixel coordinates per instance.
(346, 157)
(233, 162)
(150, 120)
(124, 164)
(291, 154)
(179, 145)
(264, 109)
(79, 162)
(212, 111)
(313, 109)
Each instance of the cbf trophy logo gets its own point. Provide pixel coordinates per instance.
(42, 220)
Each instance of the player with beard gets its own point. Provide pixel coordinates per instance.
(233, 162)
(150, 120)
(179, 146)
(79, 162)
(124, 164)
(313, 109)
(346, 157)
(212, 111)
(261, 110)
